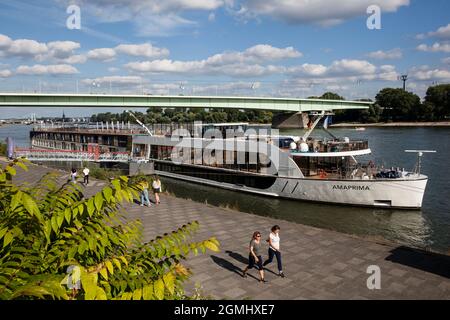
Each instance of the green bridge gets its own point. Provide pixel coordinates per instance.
(145, 101)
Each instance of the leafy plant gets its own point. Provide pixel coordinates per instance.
(56, 244)
(2, 149)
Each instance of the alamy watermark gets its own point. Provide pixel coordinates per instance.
(374, 280)
(74, 19)
(216, 147)
(374, 20)
(73, 279)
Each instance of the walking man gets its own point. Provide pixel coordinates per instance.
(86, 176)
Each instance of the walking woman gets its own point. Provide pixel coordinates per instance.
(274, 249)
(156, 186)
(254, 257)
(73, 175)
(144, 193)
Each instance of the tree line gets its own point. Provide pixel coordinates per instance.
(390, 105)
(397, 105)
(183, 115)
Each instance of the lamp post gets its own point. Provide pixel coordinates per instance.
(95, 85)
(404, 78)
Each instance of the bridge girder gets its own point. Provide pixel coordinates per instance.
(148, 101)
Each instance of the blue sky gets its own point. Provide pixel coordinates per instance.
(227, 47)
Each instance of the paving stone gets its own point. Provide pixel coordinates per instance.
(397, 272)
(319, 264)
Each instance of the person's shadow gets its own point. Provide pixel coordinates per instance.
(238, 257)
(230, 266)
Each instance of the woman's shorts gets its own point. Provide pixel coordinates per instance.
(253, 264)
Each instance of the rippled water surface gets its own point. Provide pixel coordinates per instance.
(429, 227)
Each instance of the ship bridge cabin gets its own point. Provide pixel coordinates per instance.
(331, 159)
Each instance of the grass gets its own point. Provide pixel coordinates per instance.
(103, 174)
(3, 149)
(108, 174)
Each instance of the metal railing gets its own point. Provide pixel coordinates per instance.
(70, 155)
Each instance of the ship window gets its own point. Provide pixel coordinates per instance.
(238, 178)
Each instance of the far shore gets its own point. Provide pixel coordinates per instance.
(392, 124)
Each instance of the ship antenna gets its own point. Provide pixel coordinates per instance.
(420, 153)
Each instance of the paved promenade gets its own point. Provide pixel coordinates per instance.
(319, 264)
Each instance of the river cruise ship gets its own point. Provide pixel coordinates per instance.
(255, 160)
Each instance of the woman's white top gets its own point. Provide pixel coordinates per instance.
(156, 184)
(275, 239)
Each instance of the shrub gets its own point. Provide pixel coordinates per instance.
(3, 149)
(48, 229)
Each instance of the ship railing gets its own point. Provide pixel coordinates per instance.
(338, 146)
(70, 155)
(88, 130)
(371, 171)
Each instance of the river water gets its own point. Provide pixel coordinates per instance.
(427, 228)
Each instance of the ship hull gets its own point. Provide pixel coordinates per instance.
(389, 193)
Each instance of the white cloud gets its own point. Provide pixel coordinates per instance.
(102, 54)
(113, 69)
(446, 60)
(55, 51)
(165, 66)
(351, 66)
(150, 17)
(39, 69)
(75, 59)
(442, 33)
(63, 52)
(314, 70)
(387, 73)
(154, 6)
(142, 50)
(341, 70)
(5, 42)
(385, 55)
(62, 49)
(5, 73)
(21, 47)
(267, 52)
(240, 64)
(336, 87)
(250, 63)
(436, 47)
(211, 17)
(424, 73)
(257, 53)
(203, 67)
(323, 12)
(25, 47)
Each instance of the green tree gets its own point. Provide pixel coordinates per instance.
(331, 96)
(398, 105)
(437, 102)
(48, 228)
(155, 110)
